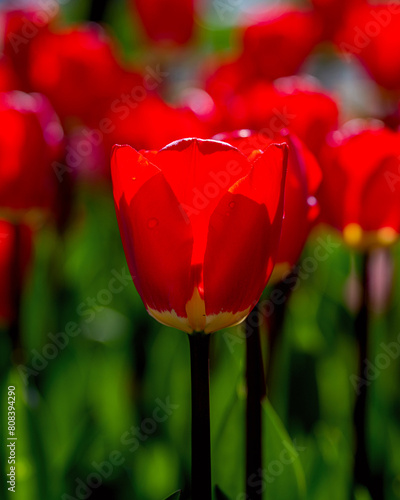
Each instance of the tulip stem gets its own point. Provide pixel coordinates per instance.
(201, 442)
(98, 10)
(362, 471)
(16, 293)
(283, 289)
(255, 383)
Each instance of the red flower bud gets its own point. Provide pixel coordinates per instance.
(371, 34)
(360, 190)
(200, 225)
(30, 141)
(280, 42)
(78, 70)
(166, 20)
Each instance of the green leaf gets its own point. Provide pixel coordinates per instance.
(283, 475)
(229, 464)
(175, 496)
(219, 495)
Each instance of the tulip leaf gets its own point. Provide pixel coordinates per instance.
(219, 495)
(229, 463)
(283, 475)
(175, 496)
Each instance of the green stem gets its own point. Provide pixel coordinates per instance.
(201, 442)
(16, 293)
(255, 382)
(362, 471)
(283, 289)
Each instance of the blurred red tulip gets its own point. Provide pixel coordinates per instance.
(78, 70)
(295, 103)
(359, 194)
(281, 41)
(8, 78)
(30, 140)
(313, 112)
(137, 126)
(21, 27)
(200, 225)
(166, 20)
(332, 14)
(371, 34)
(15, 258)
(302, 182)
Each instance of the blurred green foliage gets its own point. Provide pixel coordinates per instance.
(78, 411)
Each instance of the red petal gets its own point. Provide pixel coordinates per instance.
(156, 234)
(380, 200)
(242, 241)
(200, 173)
(129, 171)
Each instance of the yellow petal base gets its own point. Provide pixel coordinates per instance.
(357, 238)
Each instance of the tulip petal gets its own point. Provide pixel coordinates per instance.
(243, 238)
(379, 191)
(266, 180)
(129, 170)
(200, 172)
(157, 237)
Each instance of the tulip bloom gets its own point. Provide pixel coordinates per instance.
(200, 224)
(281, 41)
(30, 141)
(332, 14)
(136, 126)
(21, 27)
(166, 20)
(313, 112)
(299, 104)
(359, 194)
(79, 71)
(8, 78)
(302, 182)
(371, 34)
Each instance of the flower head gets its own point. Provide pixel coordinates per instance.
(200, 224)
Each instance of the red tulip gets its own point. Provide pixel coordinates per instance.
(136, 126)
(78, 70)
(332, 14)
(371, 34)
(360, 190)
(30, 141)
(295, 103)
(21, 28)
(313, 111)
(15, 259)
(281, 41)
(302, 182)
(8, 78)
(200, 225)
(166, 20)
